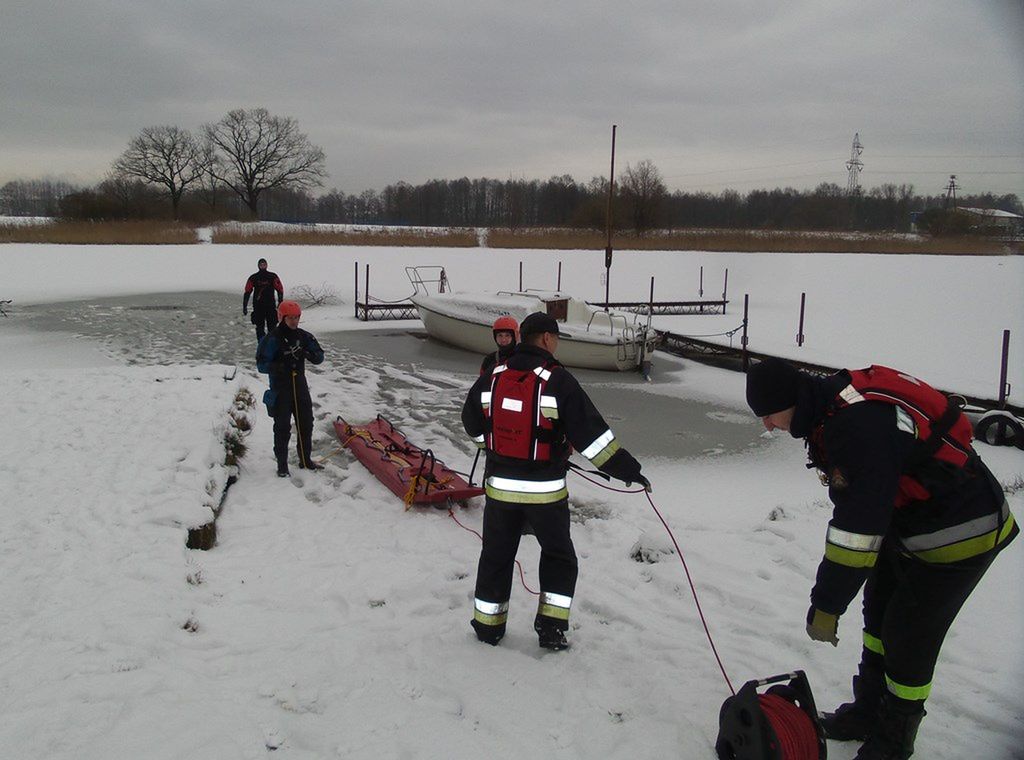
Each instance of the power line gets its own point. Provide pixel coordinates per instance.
(964, 155)
(755, 168)
(981, 173)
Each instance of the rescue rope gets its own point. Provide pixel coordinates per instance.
(522, 576)
(693, 590)
(410, 495)
(679, 553)
(797, 736)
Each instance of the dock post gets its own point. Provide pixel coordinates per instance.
(355, 305)
(1004, 387)
(800, 329)
(743, 340)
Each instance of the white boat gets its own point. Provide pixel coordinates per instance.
(590, 337)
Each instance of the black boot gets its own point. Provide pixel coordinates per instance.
(309, 464)
(550, 635)
(892, 736)
(852, 721)
(282, 469)
(489, 634)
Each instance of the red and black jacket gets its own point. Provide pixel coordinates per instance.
(899, 466)
(527, 461)
(263, 286)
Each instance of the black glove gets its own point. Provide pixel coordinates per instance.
(642, 481)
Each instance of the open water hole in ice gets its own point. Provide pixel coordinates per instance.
(418, 380)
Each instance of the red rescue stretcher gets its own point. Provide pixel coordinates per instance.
(413, 474)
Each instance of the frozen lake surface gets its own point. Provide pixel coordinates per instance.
(208, 328)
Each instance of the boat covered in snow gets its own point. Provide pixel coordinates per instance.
(590, 337)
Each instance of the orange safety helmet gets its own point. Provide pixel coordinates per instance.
(288, 309)
(506, 324)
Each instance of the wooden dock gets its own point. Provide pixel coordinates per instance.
(666, 308)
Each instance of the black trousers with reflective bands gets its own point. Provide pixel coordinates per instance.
(503, 528)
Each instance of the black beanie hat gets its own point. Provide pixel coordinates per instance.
(772, 386)
(536, 323)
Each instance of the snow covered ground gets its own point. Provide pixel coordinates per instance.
(329, 623)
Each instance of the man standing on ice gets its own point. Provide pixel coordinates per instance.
(282, 354)
(262, 285)
(917, 515)
(526, 413)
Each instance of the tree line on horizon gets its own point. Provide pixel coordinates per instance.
(254, 165)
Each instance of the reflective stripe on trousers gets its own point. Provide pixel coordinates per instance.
(554, 605)
(490, 613)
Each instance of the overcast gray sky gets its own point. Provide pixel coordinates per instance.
(718, 94)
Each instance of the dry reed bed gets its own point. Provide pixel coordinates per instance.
(100, 233)
(168, 233)
(748, 241)
(443, 238)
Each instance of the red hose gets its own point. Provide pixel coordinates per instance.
(798, 739)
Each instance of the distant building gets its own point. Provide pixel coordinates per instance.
(993, 221)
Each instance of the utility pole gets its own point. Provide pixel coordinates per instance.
(950, 193)
(854, 167)
(608, 225)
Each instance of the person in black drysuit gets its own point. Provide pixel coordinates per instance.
(267, 292)
(918, 518)
(282, 354)
(531, 490)
(504, 330)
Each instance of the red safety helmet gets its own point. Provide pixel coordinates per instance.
(288, 309)
(506, 324)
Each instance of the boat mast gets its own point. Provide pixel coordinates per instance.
(608, 225)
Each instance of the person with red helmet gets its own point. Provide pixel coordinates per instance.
(282, 354)
(265, 288)
(506, 336)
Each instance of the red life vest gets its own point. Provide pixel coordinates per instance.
(943, 432)
(516, 427)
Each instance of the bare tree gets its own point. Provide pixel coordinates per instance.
(167, 156)
(40, 197)
(209, 186)
(644, 191)
(259, 151)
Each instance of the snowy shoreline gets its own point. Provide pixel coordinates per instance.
(330, 623)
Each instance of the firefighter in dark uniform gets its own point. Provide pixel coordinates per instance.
(282, 354)
(527, 413)
(917, 516)
(267, 292)
(505, 330)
